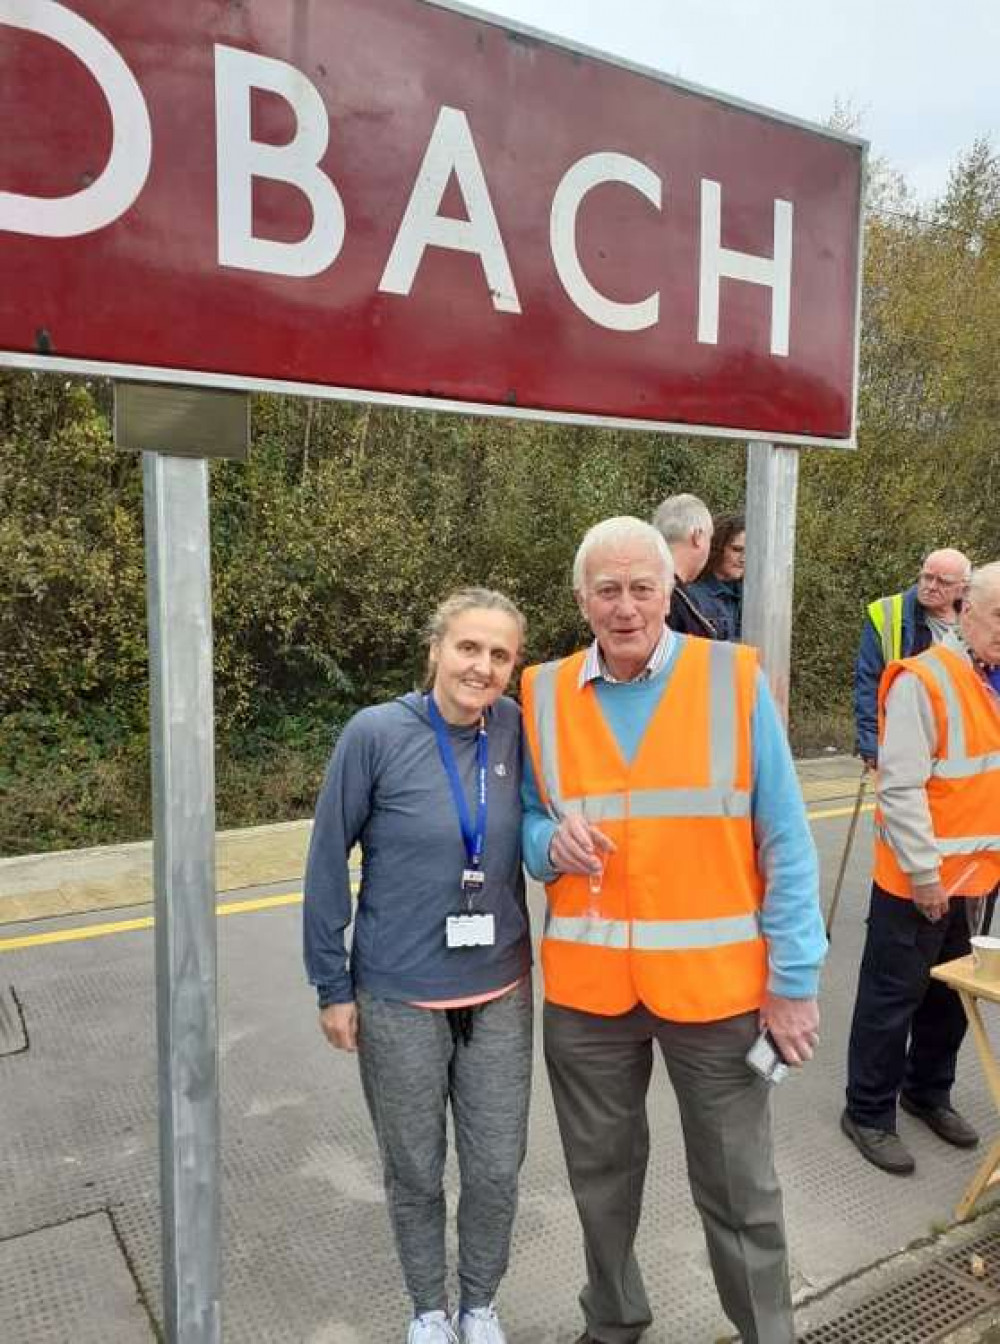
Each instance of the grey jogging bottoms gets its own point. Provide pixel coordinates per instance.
(410, 1069)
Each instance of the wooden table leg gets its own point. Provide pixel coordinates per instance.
(987, 1172)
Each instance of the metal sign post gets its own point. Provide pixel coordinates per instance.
(182, 743)
(195, 424)
(772, 491)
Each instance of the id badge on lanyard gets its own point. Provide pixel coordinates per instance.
(468, 927)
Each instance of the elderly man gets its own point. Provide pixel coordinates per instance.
(937, 858)
(663, 812)
(901, 626)
(685, 524)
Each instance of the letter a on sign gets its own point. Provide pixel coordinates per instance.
(451, 150)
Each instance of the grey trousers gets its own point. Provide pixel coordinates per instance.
(411, 1068)
(600, 1068)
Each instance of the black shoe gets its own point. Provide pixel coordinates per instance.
(881, 1147)
(946, 1123)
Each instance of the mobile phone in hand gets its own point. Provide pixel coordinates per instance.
(765, 1058)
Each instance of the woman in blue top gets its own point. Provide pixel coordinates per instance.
(435, 992)
(718, 594)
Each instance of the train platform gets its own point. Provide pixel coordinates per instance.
(308, 1256)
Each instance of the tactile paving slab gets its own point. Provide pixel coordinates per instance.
(69, 1283)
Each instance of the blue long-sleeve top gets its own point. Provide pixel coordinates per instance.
(386, 789)
(791, 921)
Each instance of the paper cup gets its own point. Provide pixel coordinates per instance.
(986, 957)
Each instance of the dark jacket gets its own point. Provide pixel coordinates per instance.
(721, 600)
(916, 636)
(686, 617)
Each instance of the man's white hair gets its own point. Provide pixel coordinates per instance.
(679, 515)
(615, 532)
(985, 582)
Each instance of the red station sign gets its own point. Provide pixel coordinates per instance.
(403, 201)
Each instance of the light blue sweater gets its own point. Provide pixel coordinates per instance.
(786, 855)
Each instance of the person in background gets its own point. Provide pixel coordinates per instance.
(718, 594)
(937, 861)
(685, 524)
(663, 813)
(902, 626)
(435, 993)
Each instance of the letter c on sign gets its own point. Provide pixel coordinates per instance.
(581, 178)
(109, 195)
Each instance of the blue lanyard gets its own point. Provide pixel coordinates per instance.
(473, 838)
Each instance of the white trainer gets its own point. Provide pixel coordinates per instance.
(479, 1325)
(431, 1327)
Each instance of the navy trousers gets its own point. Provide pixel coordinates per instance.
(907, 1028)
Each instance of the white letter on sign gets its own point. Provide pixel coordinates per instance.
(718, 262)
(239, 159)
(450, 150)
(585, 174)
(108, 197)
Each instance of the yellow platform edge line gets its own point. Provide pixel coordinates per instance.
(144, 922)
(87, 931)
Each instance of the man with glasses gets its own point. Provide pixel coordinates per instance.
(901, 626)
(937, 863)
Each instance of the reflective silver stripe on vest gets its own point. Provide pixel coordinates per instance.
(591, 932)
(545, 722)
(970, 844)
(955, 844)
(711, 802)
(655, 935)
(953, 710)
(887, 634)
(966, 766)
(650, 935)
(722, 714)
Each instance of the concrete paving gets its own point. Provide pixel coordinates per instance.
(308, 1253)
(112, 877)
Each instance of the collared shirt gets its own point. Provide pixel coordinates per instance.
(595, 669)
(941, 630)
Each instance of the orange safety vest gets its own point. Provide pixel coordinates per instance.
(676, 923)
(963, 791)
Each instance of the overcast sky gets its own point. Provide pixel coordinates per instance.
(924, 75)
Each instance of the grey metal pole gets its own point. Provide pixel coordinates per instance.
(181, 719)
(772, 491)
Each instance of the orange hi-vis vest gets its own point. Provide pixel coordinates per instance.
(963, 791)
(676, 922)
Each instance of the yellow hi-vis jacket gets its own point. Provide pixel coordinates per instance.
(676, 922)
(886, 615)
